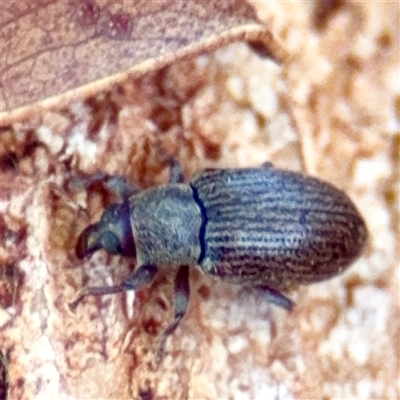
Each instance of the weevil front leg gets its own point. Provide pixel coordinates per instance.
(140, 278)
(124, 188)
(181, 302)
(121, 186)
(175, 171)
(117, 184)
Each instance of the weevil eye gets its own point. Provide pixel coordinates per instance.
(110, 243)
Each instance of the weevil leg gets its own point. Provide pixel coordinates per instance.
(140, 278)
(121, 186)
(262, 50)
(276, 297)
(175, 171)
(267, 164)
(117, 184)
(181, 302)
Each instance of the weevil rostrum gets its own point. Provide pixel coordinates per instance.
(267, 228)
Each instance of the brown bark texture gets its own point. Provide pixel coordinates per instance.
(326, 102)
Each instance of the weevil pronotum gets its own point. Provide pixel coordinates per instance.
(264, 227)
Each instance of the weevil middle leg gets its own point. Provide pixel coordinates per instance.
(181, 302)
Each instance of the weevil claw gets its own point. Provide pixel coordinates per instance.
(74, 304)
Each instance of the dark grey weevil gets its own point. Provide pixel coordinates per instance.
(264, 227)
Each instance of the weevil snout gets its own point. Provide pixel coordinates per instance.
(112, 233)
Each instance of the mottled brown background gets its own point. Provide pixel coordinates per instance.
(330, 108)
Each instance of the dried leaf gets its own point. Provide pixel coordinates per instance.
(78, 48)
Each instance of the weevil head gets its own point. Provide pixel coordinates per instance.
(113, 233)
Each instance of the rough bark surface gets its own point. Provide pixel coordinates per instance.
(329, 108)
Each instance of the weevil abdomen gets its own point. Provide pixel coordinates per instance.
(265, 225)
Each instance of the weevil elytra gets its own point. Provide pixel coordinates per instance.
(264, 227)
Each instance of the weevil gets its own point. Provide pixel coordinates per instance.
(267, 228)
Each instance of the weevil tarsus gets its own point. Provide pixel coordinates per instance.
(181, 302)
(275, 297)
(94, 291)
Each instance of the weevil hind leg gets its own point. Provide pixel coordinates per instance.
(181, 302)
(138, 279)
(276, 297)
(267, 164)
